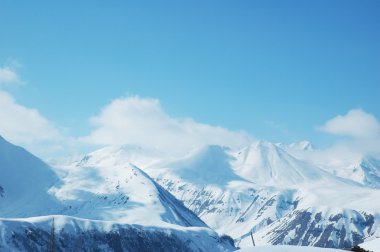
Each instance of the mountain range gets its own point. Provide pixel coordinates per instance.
(265, 190)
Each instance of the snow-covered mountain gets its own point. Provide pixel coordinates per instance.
(364, 170)
(108, 188)
(116, 202)
(264, 189)
(261, 189)
(266, 164)
(24, 183)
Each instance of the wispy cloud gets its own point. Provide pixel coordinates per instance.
(9, 76)
(28, 128)
(143, 121)
(362, 130)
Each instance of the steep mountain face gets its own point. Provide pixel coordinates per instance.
(108, 196)
(264, 189)
(24, 183)
(320, 227)
(371, 169)
(73, 234)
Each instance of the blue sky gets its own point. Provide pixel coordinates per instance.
(275, 69)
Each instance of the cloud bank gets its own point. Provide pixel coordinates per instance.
(143, 121)
(23, 125)
(356, 123)
(362, 130)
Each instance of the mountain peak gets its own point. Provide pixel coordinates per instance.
(267, 164)
(210, 164)
(297, 146)
(302, 145)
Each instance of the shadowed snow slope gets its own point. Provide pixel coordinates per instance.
(24, 183)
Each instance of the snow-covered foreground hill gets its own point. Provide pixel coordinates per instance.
(73, 234)
(288, 249)
(111, 201)
(261, 189)
(371, 245)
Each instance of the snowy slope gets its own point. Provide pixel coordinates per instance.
(74, 234)
(266, 164)
(209, 165)
(311, 226)
(364, 170)
(106, 187)
(288, 249)
(372, 245)
(260, 188)
(109, 191)
(265, 186)
(24, 183)
(117, 193)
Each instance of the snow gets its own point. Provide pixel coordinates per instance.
(263, 184)
(105, 188)
(108, 197)
(73, 234)
(266, 164)
(259, 188)
(287, 249)
(297, 146)
(120, 192)
(262, 188)
(209, 165)
(25, 181)
(372, 245)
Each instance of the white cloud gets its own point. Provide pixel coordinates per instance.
(363, 130)
(22, 125)
(8, 75)
(356, 123)
(142, 121)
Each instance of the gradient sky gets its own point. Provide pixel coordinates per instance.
(276, 69)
